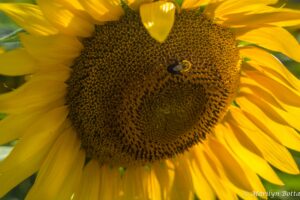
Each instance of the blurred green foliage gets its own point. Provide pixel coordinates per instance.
(2, 116)
(9, 40)
(8, 30)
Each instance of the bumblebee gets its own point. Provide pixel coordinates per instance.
(179, 67)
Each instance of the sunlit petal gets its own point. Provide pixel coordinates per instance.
(158, 18)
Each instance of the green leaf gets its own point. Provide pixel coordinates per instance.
(179, 2)
(8, 33)
(2, 116)
(6, 25)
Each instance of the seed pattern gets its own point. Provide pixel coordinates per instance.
(127, 107)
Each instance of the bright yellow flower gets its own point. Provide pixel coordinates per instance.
(150, 100)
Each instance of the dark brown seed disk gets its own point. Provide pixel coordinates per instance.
(134, 100)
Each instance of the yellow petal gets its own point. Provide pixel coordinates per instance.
(182, 187)
(90, 183)
(282, 133)
(280, 91)
(16, 62)
(221, 131)
(72, 4)
(201, 187)
(110, 180)
(75, 7)
(231, 167)
(135, 4)
(247, 195)
(131, 183)
(273, 38)
(16, 174)
(251, 69)
(183, 183)
(236, 176)
(165, 174)
(271, 109)
(208, 164)
(233, 6)
(190, 4)
(33, 94)
(151, 184)
(66, 21)
(158, 19)
(30, 17)
(48, 67)
(246, 156)
(8, 129)
(270, 64)
(265, 15)
(103, 10)
(52, 49)
(44, 129)
(274, 92)
(27, 156)
(62, 73)
(55, 169)
(281, 158)
(72, 181)
(2, 50)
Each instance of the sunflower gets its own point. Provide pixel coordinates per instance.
(144, 99)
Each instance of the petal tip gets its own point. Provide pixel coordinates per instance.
(158, 19)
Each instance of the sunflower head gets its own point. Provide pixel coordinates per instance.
(133, 99)
(143, 99)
